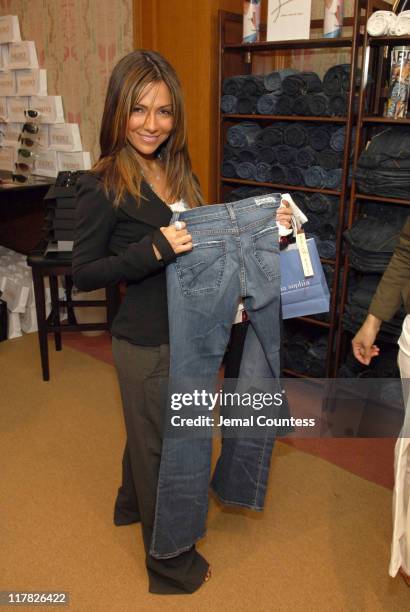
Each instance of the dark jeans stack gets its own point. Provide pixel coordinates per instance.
(384, 166)
(371, 242)
(322, 213)
(288, 92)
(304, 351)
(358, 304)
(285, 153)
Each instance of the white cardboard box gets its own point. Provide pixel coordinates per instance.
(21, 55)
(8, 85)
(15, 109)
(7, 158)
(3, 109)
(9, 29)
(31, 82)
(74, 161)
(42, 136)
(65, 137)
(12, 132)
(50, 107)
(288, 20)
(46, 164)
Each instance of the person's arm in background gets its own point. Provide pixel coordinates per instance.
(387, 299)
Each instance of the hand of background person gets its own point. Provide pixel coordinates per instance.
(179, 239)
(363, 345)
(284, 214)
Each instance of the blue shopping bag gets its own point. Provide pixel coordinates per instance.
(302, 296)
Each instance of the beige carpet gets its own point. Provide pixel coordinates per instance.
(322, 543)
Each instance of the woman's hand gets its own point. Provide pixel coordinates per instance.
(284, 215)
(179, 239)
(363, 345)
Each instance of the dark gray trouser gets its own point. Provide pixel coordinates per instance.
(140, 370)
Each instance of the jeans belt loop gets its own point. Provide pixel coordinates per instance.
(231, 211)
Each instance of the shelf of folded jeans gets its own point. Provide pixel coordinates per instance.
(307, 43)
(378, 119)
(280, 186)
(228, 116)
(315, 321)
(375, 198)
(388, 40)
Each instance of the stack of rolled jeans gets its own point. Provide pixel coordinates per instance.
(371, 243)
(305, 352)
(384, 166)
(285, 153)
(288, 92)
(322, 213)
(358, 304)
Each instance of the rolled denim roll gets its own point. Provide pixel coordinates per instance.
(273, 82)
(300, 106)
(229, 104)
(266, 154)
(333, 178)
(337, 139)
(295, 135)
(294, 176)
(303, 82)
(318, 104)
(246, 170)
(263, 172)
(285, 154)
(327, 249)
(246, 105)
(266, 104)
(301, 198)
(319, 203)
(229, 169)
(315, 176)
(253, 85)
(270, 136)
(305, 157)
(329, 160)
(284, 105)
(319, 137)
(243, 134)
(232, 86)
(337, 105)
(230, 153)
(279, 173)
(336, 79)
(248, 154)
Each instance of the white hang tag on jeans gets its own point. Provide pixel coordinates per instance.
(298, 219)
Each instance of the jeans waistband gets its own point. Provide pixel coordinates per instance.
(229, 210)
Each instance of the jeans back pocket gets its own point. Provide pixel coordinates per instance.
(200, 271)
(265, 248)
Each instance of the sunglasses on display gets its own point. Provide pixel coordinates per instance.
(31, 113)
(25, 153)
(20, 178)
(23, 166)
(28, 142)
(30, 128)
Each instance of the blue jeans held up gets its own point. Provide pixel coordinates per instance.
(235, 255)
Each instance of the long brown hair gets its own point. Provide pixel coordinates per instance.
(118, 164)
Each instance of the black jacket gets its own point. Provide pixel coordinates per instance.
(115, 244)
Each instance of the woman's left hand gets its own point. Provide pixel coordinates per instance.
(284, 215)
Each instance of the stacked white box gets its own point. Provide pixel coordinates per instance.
(65, 137)
(9, 29)
(8, 84)
(73, 161)
(20, 56)
(7, 158)
(50, 107)
(15, 109)
(31, 82)
(12, 132)
(46, 164)
(3, 109)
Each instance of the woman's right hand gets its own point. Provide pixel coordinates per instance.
(179, 239)
(363, 345)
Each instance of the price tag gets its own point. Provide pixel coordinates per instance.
(304, 253)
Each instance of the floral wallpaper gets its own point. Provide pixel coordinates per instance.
(78, 42)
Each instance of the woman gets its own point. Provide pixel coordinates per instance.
(393, 289)
(124, 208)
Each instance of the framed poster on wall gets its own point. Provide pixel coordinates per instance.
(288, 19)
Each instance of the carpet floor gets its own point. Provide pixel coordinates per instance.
(321, 544)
